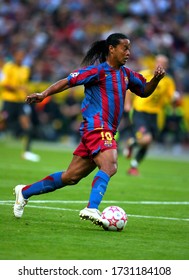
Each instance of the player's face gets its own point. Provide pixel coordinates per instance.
(162, 60)
(121, 52)
(19, 56)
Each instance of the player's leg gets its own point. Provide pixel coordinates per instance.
(78, 169)
(27, 128)
(144, 123)
(103, 148)
(140, 153)
(130, 142)
(142, 140)
(107, 164)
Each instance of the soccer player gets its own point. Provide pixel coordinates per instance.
(105, 80)
(14, 79)
(144, 115)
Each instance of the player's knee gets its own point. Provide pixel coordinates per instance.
(112, 170)
(145, 140)
(148, 139)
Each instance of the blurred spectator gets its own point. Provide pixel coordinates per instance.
(56, 34)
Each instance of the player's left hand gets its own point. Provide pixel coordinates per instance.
(159, 72)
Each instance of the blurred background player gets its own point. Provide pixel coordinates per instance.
(17, 114)
(144, 115)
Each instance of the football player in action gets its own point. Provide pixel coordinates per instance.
(105, 80)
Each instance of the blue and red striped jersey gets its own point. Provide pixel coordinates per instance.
(105, 89)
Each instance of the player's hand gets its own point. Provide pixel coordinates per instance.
(35, 98)
(159, 72)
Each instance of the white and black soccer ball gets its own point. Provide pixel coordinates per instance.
(114, 218)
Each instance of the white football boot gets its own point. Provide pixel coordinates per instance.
(91, 214)
(20, 201)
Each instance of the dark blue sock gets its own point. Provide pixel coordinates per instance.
(99, 186)
(48, 184)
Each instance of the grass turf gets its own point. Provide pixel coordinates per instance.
(50, 229)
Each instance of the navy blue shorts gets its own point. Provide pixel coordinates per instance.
(144, 123)
(13, 110)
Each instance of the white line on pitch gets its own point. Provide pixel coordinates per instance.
(129, 215)
(106, 202)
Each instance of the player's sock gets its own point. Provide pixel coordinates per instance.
(28, 138)
(48, 184)
(99, 185)
(141, 153)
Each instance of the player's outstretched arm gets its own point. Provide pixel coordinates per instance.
(159, 73)
(57, 87)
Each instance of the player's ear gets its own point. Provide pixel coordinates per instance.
(111, 48)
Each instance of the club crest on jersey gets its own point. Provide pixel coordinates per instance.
(75, 74)
(126, 80)
(108, 143)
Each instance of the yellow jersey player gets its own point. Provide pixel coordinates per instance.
(14, 79)
(145, 113)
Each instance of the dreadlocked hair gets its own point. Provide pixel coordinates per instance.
(97, 53)
(99, 49)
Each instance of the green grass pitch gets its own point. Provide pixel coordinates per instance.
(156, 202)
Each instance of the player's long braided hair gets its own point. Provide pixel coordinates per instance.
(100, 49)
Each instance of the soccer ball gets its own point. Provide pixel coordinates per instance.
(114, 218)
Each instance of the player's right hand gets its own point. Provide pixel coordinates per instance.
(34, 98)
